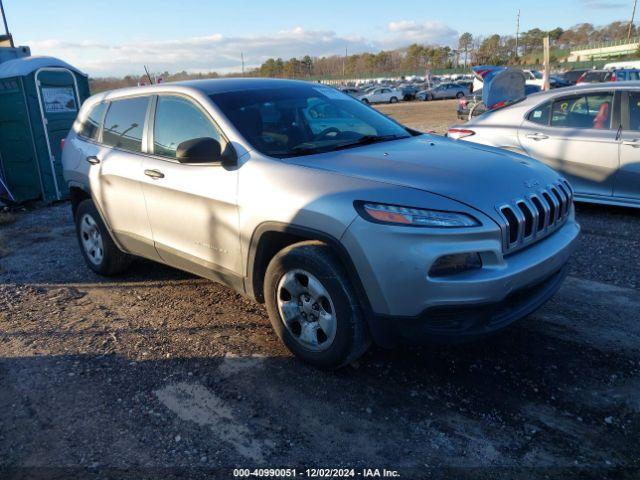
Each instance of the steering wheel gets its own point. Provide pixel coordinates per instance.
(327, 131)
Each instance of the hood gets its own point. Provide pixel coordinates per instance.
(477, 175)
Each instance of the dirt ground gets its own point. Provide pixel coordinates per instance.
(435, 116)
(159, 374)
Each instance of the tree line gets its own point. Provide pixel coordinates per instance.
(470, 50)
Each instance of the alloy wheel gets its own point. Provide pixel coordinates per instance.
(91, 239)
(306, 310)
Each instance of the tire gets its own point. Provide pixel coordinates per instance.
(459, 95)
(338, 340)
(365, 101)
(393, 100)
(97, 247)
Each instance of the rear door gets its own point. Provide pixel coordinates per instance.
(192, 207)
(116, 172)
(59, 103)
(627, 183)
(577, 136)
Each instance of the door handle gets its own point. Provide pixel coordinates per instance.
(537, 136)
(635, 143)
(93, 160)
(155, 174)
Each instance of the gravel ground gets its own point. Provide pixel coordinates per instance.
(159, 374)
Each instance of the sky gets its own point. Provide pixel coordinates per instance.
(118, 37)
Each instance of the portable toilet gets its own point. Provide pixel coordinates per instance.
(39, 101)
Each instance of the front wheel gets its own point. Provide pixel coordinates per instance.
(393, 100)
(98, 248)
(312, 306)
(459, 95)
(365, 101)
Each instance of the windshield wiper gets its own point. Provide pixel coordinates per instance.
(364, 140)
(306, 150)
(368, 140)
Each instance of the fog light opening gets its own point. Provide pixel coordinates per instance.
(455, 263)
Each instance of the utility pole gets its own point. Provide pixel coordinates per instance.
(547, 64)
(242, 60)
(344, 62)
(517, 31)
(6, 27)
(633, 16)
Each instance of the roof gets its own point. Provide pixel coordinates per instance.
(19, 67)
(222, 85)
(204, 87)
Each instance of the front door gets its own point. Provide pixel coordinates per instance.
(192, 208)
(59, 105)
(577, 136)
(627, 183)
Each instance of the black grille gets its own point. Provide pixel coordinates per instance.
(533, 217)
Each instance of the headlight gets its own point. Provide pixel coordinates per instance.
(417, 217)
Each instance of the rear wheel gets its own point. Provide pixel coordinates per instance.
(97, 247)
(365, 100)
(393, 100)
(459, 95)
(312, 306)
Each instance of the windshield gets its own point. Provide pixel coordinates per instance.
(302, 120)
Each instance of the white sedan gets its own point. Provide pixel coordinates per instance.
(589, 133)
(381, 95)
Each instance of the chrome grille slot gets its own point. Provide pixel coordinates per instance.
(560, 200)
(512, 224)
(552, 207)
(528, 219)
(543, 213)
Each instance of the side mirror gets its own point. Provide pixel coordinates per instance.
(199, 150)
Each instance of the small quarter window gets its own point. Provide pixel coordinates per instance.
(90, 126)
(124, 123)
(540, 115)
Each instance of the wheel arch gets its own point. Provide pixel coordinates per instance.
(271, 237)
(77, 194)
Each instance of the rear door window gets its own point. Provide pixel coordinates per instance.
(584, 111)
(90, 126)
(634, 111)
(124, 123)
(178, 120)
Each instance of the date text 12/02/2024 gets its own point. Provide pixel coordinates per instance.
(316, 473)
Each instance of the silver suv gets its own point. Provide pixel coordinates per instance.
(349, 226)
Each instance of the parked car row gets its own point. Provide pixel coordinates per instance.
(584, 75)
(391, 92)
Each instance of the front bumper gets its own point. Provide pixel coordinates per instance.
(463, 324)
(393, 263)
